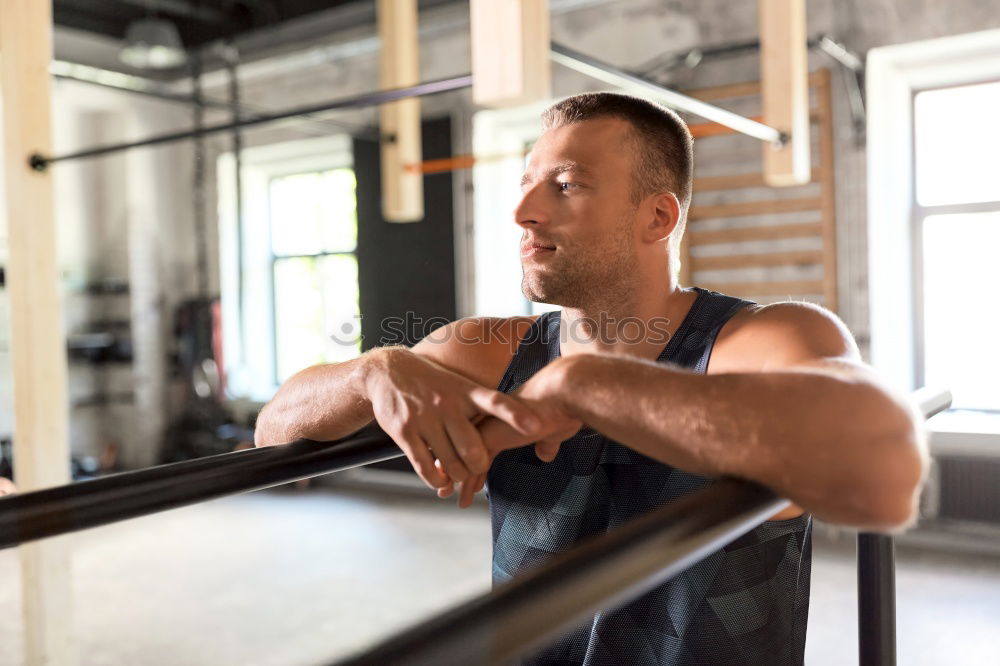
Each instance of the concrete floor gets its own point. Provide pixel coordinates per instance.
(289, 579)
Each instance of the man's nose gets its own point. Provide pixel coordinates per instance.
(532, 209)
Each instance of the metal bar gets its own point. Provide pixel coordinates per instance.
(197, 12)
(876, 600)
(609, 570)
(41, 162)
(248, 110)
(877, 571)
(44, 513)
(617, 77)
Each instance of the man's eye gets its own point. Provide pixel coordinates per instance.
(565, 187)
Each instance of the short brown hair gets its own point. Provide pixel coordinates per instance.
(664, 148)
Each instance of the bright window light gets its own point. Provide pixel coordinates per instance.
(958, 144)
(960, 307)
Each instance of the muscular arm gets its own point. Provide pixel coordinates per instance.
(812, 422)
(427, 399)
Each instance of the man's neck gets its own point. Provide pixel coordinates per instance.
(640, 326)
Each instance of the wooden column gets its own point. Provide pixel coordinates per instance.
(510, 52)
(399, 122)
(784, 75)
(37, 344)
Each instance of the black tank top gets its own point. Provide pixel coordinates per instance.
(745, 604)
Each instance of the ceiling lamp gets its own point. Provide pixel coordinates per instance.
(153, 43)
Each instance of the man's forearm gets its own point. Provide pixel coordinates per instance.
(323, 402)
(841, 448)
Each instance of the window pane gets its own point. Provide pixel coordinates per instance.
(958, 144)
(961, 317)
(338, 210)
(342, 321)
(298, 315)
(313, 213)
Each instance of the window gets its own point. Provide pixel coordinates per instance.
(956, 237)
(289, 270)
(314, 233)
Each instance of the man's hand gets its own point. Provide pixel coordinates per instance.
(432, 413)
(545, 394)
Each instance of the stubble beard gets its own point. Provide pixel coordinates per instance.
(593, 279)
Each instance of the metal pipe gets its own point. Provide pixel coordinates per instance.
(44, 513)
(876, 600)
(606, 571)
(232, 56)
(877, 570)
(617, 77)
(41, 162)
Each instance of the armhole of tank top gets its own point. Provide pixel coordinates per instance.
(530, 335)
(703, 362)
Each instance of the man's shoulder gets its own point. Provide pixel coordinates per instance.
(477, 347)
(758, 336)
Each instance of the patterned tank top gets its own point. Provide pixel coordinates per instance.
(745, 604)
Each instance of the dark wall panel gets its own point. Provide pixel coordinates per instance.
(406, 271)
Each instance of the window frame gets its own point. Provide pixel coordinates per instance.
(918, 214)
(251, 363)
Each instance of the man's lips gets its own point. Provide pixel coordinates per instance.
(536, 248)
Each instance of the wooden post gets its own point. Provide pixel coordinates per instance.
(37, 344)
(399, 122)
(510, 52)
(784, 75)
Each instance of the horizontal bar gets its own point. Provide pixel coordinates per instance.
(603, 72)
(603, 572)
(931, 401)
(41, 162)
(77, 506)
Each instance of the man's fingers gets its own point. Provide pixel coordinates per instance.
(469, 488)
(468, 443)
(420, 457)
(547, 449)
(443, 449)
(509, 410)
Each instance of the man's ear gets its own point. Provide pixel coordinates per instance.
(664, 214)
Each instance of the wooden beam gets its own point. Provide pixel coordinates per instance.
(510, 52)
(399, 122)
(784, 79)
(738, 181)
(745, 234)
(37, 345)
(765, 207)
(757, 260)
(828, 192)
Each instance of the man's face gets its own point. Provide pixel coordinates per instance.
(576, 211)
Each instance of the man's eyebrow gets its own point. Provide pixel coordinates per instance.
(561, 167)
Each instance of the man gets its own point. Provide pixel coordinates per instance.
(673, 386)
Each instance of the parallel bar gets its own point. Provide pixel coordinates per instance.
(79, 506)
(604, 572)
(40, 162)
(603, 72)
